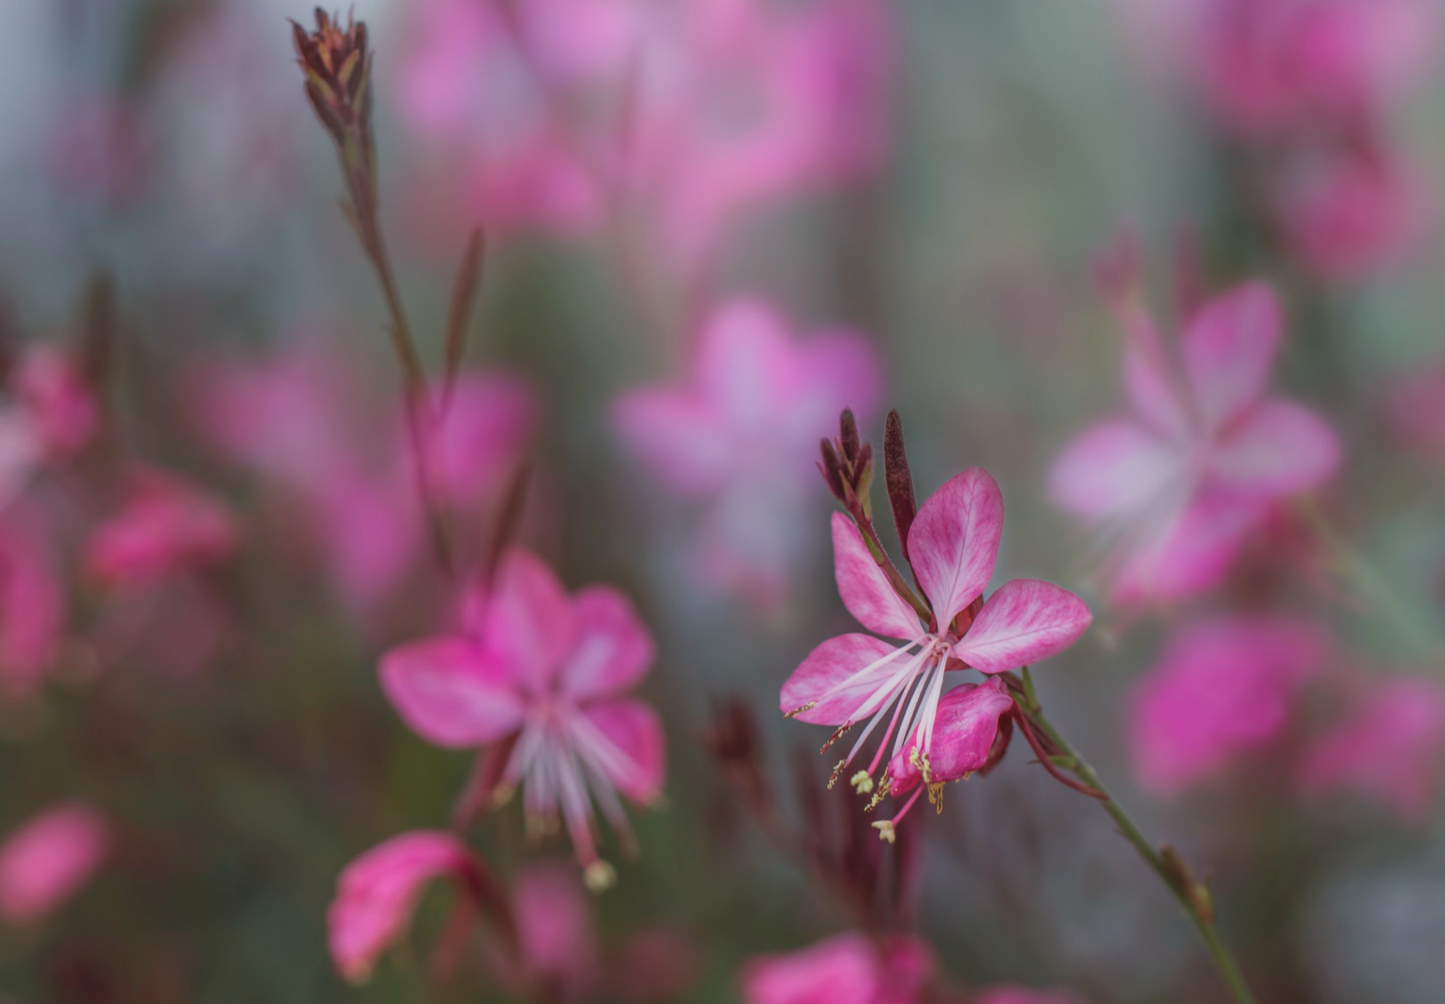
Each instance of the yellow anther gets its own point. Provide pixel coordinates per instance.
(501, 795)
(833, 777)
(599, 876)
(862, 782)
(884, 786)
(885, 830)
(798, 711)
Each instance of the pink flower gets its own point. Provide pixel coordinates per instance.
(1176, 486)
(554, 927)
(52, 390)
(478, 444)
(32, 607)
(378, 892)
(542, 674)
(1267, 64)
(48, 859)
(742, 432)
(952, 547)
(1024, 995)
(849, 968)
(1221, 687)
(164, 526)
(1348, 215)
(1391, 746)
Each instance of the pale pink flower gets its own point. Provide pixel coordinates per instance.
(1390, 747)
(849, 968)
(47, 860)
(543, 673)
(51, 389)
(378, 892)
(741, 434)
(1222, 687)
(1347, 215)
(1267, 64)
(554, 928)
(952, 546)
(32, 607)
(164, 526)
(1024, 995)
(1206, 454)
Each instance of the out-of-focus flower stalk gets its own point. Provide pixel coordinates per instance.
(1192, 894)
(337, 64)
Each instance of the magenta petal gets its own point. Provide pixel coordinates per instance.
(528, 620)
(1228, 350)
(614, 648)
(680, 439)
(829, 665)
(963, 733)
(1111, 469)
(1022, 622)
(1279, 449)
(376, 894)
(48, 859)
(450, 692)
(633, 729)
(865, 589)
(953, 543)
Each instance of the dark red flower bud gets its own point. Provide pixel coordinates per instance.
(898, 479)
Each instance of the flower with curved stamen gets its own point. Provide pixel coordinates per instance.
(952, 545)
(542, 674)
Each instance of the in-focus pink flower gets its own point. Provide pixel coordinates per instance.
(1390, 747)
(56, 396)
(543, 674)
(48, 859)
(378, 892)
(1024, 995)
(1204, 457)
(32, 607)
(1347, 215)
(742, 432)
(1220, 688)
(554, 928)
(952, 547)
(966, 738)
(849, 968)
(164, 526)
(1269, 64)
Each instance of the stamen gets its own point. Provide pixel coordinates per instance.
(599, 876)
(862, 782)
(886, 831)
(798, 711)
(837, 734)
(884, 787)
(833, 777)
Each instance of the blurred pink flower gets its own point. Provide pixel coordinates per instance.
(1347, 215)
(1390, 746)
(32, 607)
(51, 389)
(742, 433)
(1175, 487)
(477, 445)
(1268, 64)
(1221, 687)
(554, 927)
(1024, 995)
(378, 892)
(952, 546)
(848, 968)
(164, 526)
(542, 673)
(48, 859)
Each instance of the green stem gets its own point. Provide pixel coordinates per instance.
(1195, 900)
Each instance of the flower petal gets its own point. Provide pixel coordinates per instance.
(614, 648)
(963, 733)
(1111, 469)
(1194, 554)
(1229, 347)
(1279, 449)
(1022, 622)
(633, 728)
(1147, 383)
(450, 692)
(830, 664)
(953, 543)
(528, 620)
(865, 589)
(682, 440)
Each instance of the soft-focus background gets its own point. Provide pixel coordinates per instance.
(698, 194)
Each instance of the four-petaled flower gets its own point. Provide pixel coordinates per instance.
(952, 547)
(540, 673)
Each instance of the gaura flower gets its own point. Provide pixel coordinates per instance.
(1220, 687)
(1389, 747)
(1175, 487)
(378, 892)
(163, 526)
(542, 674)
(849, 968)
(952, 546)
(48, 859)
(740, 434)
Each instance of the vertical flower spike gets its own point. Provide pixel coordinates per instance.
(337, 64)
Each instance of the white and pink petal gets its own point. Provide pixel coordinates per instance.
(831, 685)
(865, 589)
(451, 692)
(614, 649)
(1024, 621)
(953, 543)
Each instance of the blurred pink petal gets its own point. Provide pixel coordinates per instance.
(482, 438)
(1221, 687)
(1229, 347)
(451, 692)
(636, 762)
(1390, 747)
(1110, 469)
(164, 526)
(32, 607)
(1280, 448)
(953, 543)
(377, 893)
(51, 388)
(963, 736)
(554, 926)
(48, 859)
(530, 621)
(613, 650)
(1023, 622)
(864, 588)
(849, 968)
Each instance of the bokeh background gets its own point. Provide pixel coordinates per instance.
(943, 191)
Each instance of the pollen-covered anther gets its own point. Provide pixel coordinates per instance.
(541, 826)
(501, 795)
(884, 787)
(886, 831)
(862, 782)
(798, 711)
(599, 876)
(837, 734)
(935, 796)
(833, 777)
(919, 759)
